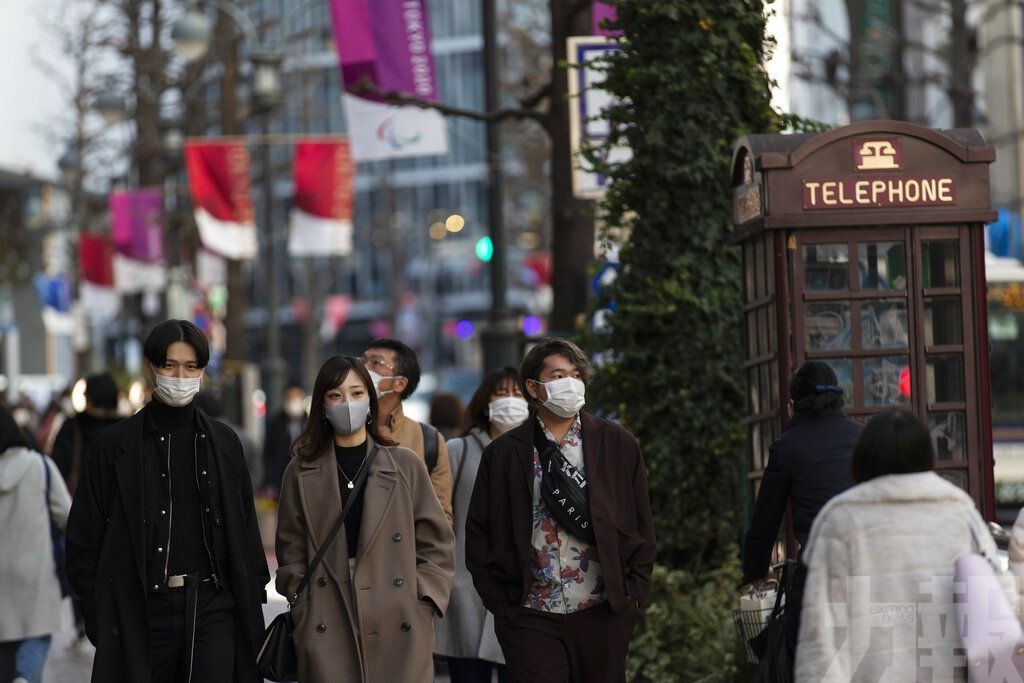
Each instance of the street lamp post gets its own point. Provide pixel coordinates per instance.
(501, 337)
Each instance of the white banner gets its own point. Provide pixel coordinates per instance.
(131, 276)
(315, 236)
(227, 238)
(382, 131)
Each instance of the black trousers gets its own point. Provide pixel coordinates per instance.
(583, 647)
(461, 670)
(177, 656)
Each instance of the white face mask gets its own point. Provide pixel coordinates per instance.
(176, 391)
(22, 417)
(565, 396)
(347, 417)
(295, 408)
(508, 412)
(377, 379)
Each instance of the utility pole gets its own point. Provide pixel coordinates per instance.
(501, 338)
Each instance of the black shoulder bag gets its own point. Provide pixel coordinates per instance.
(563, 488)
(276, 660)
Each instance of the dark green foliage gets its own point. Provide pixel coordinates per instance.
(691, 82)
(686, 633)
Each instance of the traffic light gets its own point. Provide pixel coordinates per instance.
(484, 249)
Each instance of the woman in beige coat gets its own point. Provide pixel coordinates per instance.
(368, 612)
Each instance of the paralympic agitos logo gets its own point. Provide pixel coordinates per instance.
(389, 132)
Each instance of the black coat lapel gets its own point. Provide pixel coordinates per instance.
(130, 484)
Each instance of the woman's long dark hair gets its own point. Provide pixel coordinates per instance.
(813, 389)
(476, 410)
(893, 442)
(318, 436)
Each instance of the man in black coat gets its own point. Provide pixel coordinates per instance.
(564, 594)
(162, 542)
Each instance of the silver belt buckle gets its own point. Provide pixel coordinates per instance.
(176, 581)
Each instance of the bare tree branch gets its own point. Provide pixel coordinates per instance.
(395, 97)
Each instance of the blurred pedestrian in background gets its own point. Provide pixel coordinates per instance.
(889, 542)
(208, 402)
(59, 410)
(27, 418)
(395, 371)
(163, 546)
(76, 436)
(807, 465)
(446, 415)
(33, 498)
(283, 428)
(367, 613)
(466, 637)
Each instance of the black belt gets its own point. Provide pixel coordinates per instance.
(191, 580)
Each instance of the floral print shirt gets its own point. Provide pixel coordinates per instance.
(567, 576)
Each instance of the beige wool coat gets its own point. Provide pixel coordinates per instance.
(377, 627)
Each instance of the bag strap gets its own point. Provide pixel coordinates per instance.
(46, 469)
(546, 448)
(430, 446)
(360, 480)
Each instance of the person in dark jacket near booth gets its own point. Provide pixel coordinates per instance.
(162, 542)
(808, 465)
(564, 584)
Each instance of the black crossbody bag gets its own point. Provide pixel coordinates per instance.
(276, 660)
(563, 488)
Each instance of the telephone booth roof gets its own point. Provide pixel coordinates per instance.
(868, 173)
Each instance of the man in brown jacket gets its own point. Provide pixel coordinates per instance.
(564, 580)
(395, 371)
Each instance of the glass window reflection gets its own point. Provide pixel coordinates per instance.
(882, 266)
(887, 381)
(883, 324)
(826, 267)
(827, 326)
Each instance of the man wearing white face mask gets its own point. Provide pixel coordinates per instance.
(395, 371)
(559, 537)
(164, 520)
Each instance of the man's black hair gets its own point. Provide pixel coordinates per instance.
(170, 331)
(101, 391)
(11, 435)
(406, 363)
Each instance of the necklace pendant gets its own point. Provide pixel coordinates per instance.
(351, 486)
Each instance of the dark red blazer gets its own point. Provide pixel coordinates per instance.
(499, 525)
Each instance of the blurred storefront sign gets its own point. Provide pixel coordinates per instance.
(588, 129)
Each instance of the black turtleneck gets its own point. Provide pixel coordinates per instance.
(176, 430)
(349, 459)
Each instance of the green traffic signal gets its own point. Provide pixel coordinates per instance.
(484, 249)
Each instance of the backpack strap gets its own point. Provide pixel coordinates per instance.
(430, 446)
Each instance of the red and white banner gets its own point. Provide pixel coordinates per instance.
(218, 175)
(321, 217)
(96, 293)
(137, 228)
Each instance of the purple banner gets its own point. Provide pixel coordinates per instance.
(599, 13)
(137, 224)
(386, 42)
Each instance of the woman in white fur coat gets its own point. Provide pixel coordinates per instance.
(878, 604)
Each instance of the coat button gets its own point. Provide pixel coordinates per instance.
(320, 628)
(397, 537)
(321, 582)
(399, 581)
(406, 627)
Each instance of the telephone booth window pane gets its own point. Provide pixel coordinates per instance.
(955, 477)
(949, 432)
(882, 266)
(843, 367)
(827, 326)
(887, 381)
(945, 379)
(755, 445)
(940, 263)
(766, 442)
(883, 324)
(826, 268)
(755, 391)
(942, 322)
